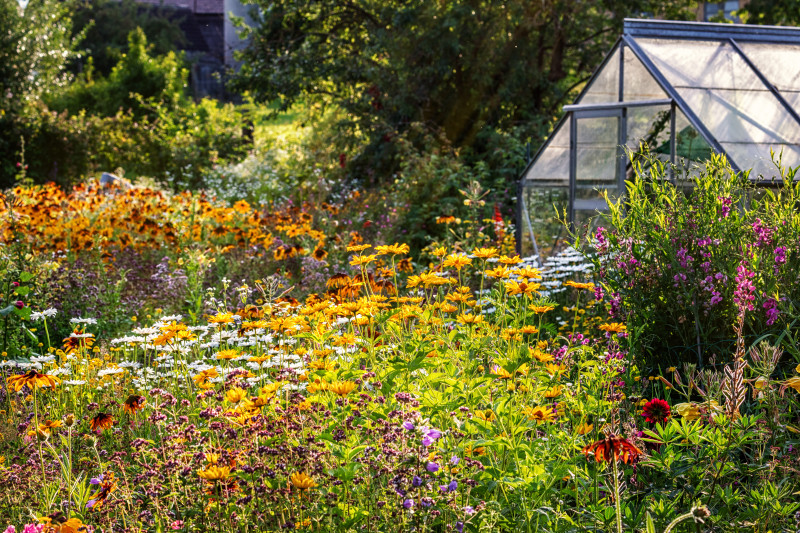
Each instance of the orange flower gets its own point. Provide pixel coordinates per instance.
(587, 286)
(101, 421)
(77, 340)
(32, 379)
(619, 447)
(342, 388)
(393, 249)
(133, 403)
(457, 261)
(302, 481)
(614, 327)
(485, 253)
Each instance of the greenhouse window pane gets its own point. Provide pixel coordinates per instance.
(690, 145)
(552, 163)
(542, 204)
(597, 151)
(648, 125)
(726, 95)
(742, 116)
(757, 157)
(604, 88)
(772, 60)
(638, 83)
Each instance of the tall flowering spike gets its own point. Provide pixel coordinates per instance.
(744, 294)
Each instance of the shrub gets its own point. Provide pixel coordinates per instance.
(137, 79)
(175, 146)
(676, 261)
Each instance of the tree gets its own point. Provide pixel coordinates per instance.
(107, 24)
(35, 43)
(136, 79)
(462, 67)
(771, 12)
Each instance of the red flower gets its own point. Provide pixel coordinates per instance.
(613, 446)
(498, 218)
(656, 411)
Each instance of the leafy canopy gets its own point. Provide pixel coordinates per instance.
(460, 66)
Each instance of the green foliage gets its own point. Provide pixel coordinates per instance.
(676, 262)
(107, 23)
(138, 78)
(463, 69)
(35, 43)
(772, 12)
(176, 146)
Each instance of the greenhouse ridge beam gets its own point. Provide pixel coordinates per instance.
(705, 31)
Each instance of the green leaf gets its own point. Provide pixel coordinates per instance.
(650, 526)
(7, 310)
(22, 291)
(25, 277)
(24, 313)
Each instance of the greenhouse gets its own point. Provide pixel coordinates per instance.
(680, 90)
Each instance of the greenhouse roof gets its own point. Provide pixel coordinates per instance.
(685, 89)
(738, 86)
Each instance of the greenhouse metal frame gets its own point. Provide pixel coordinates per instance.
(685, 89)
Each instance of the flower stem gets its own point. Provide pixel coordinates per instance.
(617, 506)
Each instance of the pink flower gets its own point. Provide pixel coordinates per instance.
(177, 524)
(656, 410)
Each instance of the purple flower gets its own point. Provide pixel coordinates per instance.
(96, 480)
(469, 510)
(432, 467)
(771, 310)
(763, 233)
(453, 486)
(745, 290)
(460, 526)
(416, 481)
(454, 460)
(90, 504)
(431, 435)
(726, 202)
(408, 425)
(408, 504)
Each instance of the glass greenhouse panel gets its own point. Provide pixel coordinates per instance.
(638, 83)
(542, 204)
(648, 125)
(760, 160)
(552, 165)
(605, 87)
(772, 60)
(691, 148)
(597, 151)
(726, 95)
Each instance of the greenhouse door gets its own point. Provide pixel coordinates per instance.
(597, 160)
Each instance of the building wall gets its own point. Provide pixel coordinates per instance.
(197, 6)
(232, 41)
